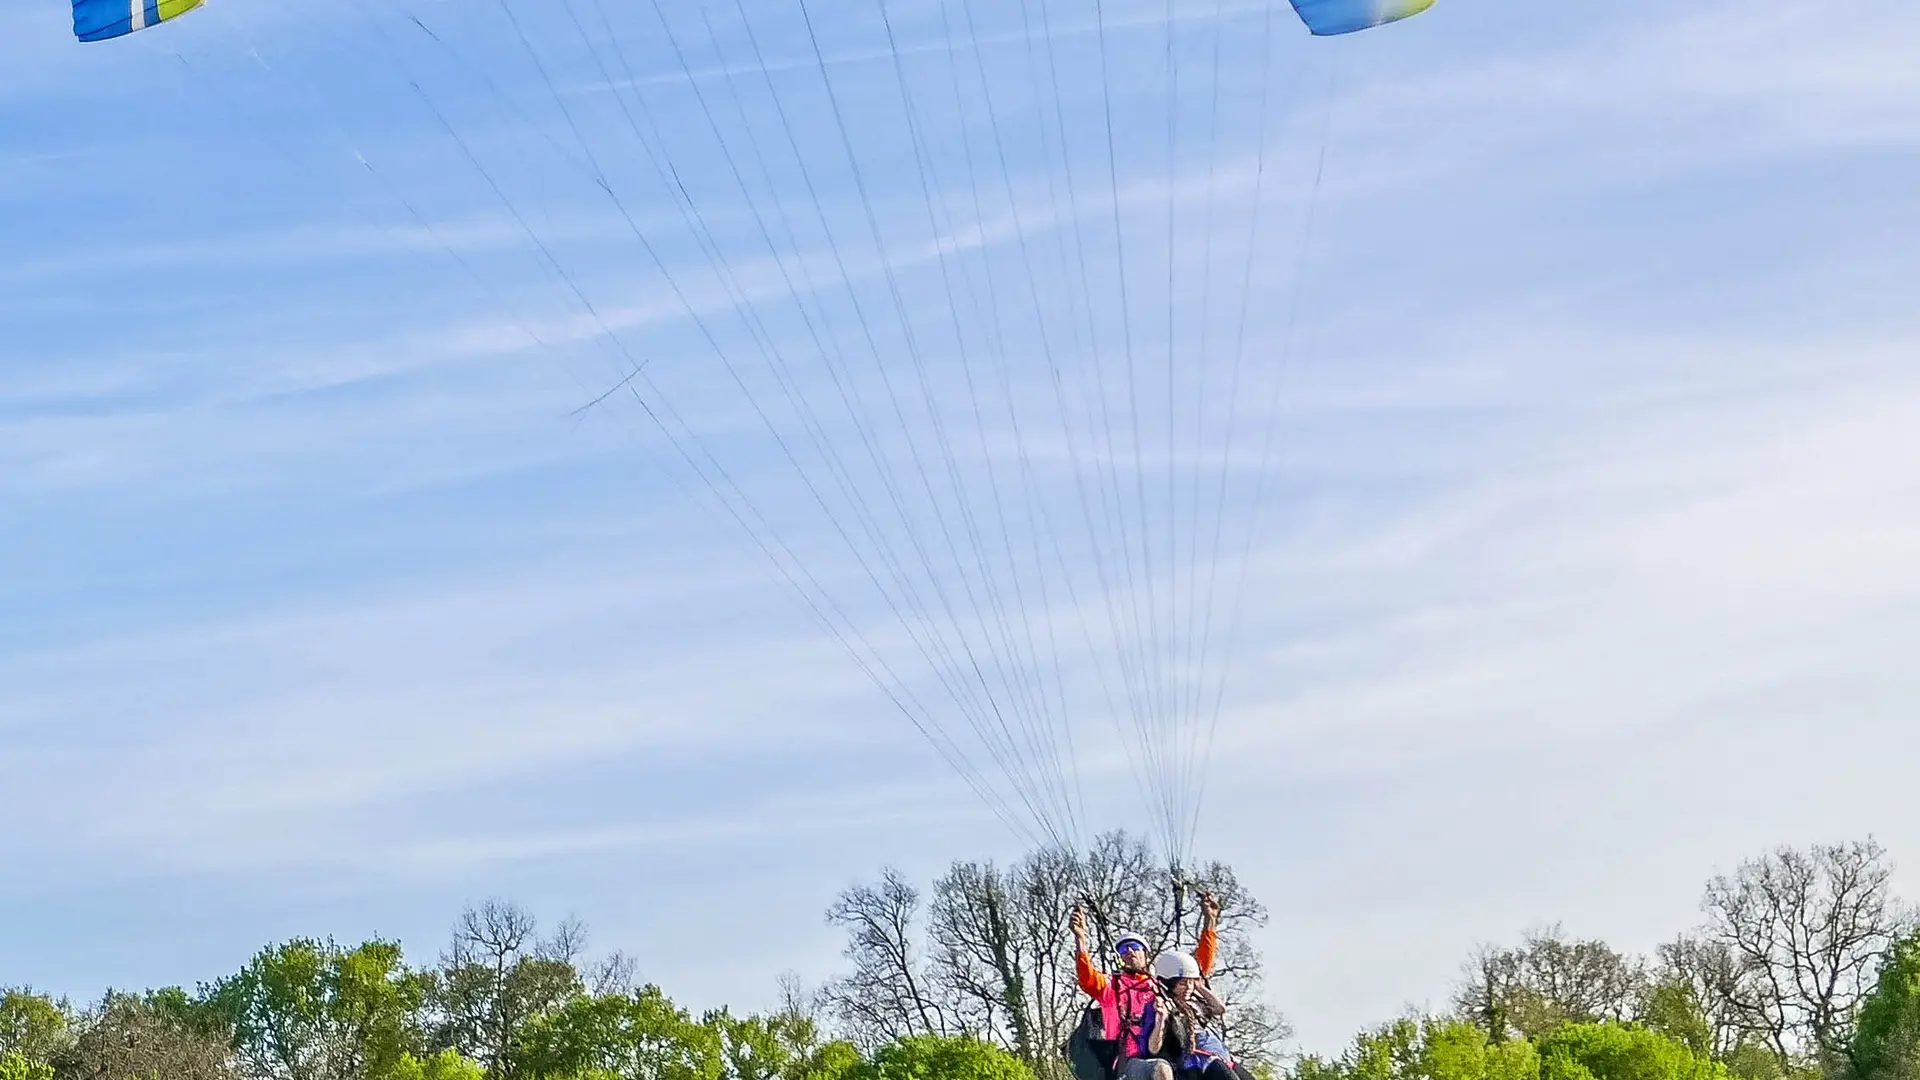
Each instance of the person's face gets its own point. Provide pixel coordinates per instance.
(1182, 989)
(1133, 957)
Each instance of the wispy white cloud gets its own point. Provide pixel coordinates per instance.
(290, 720)
(309, 244)
(1588, 665)
(1659, 94)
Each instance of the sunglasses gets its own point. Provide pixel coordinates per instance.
(1129, 946)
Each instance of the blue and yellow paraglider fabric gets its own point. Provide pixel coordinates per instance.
(1328, 17)
(98, 20)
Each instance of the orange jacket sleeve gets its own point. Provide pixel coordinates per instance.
(1092, 980)
(1205, 950)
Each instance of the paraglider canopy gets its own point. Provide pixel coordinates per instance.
(98, 20)
(1329, 17)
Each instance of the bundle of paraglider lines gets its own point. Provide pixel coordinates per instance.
(991, 283)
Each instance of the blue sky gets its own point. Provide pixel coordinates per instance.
(1588, 569)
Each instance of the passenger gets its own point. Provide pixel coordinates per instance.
(1189, 1041)
(1130, 1012)
(1205, 951)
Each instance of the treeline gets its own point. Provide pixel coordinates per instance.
(976, 981)
(503, 1001)
(1805, 968)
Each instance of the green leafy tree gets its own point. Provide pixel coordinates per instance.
(1433, 1049)
(33, 1027)
(751, 1048)
(1886, 1045)
(445, 1065)
(1390, 1052)
(188, 1011)
(1316, 1067)
(1749, 1060)
(836, 1060)
(311, 1010)
(1457, 1050)
(1672, 1007)
(935, 1057)
(1614, 1051)
(15, 1066)
(628, 1036)
(784, 1046)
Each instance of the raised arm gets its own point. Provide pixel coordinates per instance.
(1092, 980)
(1207, 948)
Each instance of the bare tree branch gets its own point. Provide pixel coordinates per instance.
(1804, 931)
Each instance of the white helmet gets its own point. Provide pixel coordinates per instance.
(1120, 943)
(1175, 965)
